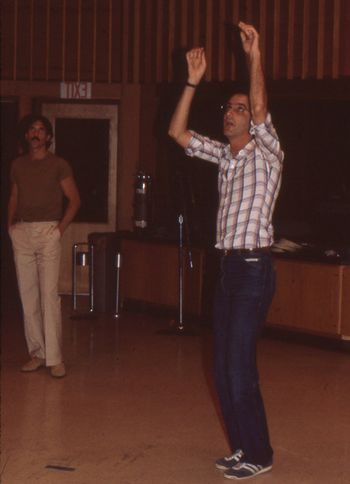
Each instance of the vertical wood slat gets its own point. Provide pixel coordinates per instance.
(306, 39)
(110, 16)
(47, 54)
(125, 41)
(184, 23)
(163, 37)
(63, 40)
(277, 40)
(136, 53)
(262, 29)
(94, 41)
(160, 13)
(320, 39)
(209, 39)
(336, 37)
(249, 8)
(31, 39)
(235, 20)
(15, 28)
(291, 39)
(79, 42)
(221, 42)
(148, 65)
(196, 19)
(171, 38)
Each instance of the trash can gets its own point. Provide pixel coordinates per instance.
(106, 248)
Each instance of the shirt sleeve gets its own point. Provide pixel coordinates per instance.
(267, 140)
(65, 170)
(204, 148)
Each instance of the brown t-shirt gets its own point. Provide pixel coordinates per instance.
(40, 195)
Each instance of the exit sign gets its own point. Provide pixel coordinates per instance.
(75, 90)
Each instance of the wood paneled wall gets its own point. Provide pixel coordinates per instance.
(143, 41)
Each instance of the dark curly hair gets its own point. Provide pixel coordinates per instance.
(26, 122)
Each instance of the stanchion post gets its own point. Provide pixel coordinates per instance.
(181, 272)
(74, 288)
(91, 277)
(117, 288)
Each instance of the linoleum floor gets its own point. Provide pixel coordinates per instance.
(138, 407)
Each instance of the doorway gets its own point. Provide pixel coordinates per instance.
(9, 151)
(86, 135)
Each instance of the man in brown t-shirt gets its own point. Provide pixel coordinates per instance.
(40, 180)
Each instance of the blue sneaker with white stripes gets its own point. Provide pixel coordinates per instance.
(244, 470)
(225, 463)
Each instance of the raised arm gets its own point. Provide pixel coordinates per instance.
(196, 65)
(257, 93)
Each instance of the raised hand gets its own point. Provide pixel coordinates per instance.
(249, 37)
(257, 90)
(196, 64)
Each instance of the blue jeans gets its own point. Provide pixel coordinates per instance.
(243, 296)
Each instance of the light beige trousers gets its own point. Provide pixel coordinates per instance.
(37, 251)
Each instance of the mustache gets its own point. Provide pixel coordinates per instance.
(35, 138)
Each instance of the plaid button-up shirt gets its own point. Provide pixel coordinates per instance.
(248, 186)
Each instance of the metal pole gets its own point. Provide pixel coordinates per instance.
(177, 327)
(91, 278)
(117, 265)
(74, 292)
(181, 271)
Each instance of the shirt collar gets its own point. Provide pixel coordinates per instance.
(244, 152)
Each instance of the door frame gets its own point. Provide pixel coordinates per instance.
(78, 232)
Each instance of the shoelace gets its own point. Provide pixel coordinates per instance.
(236, 456)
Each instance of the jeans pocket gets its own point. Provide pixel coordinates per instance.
(256, 265)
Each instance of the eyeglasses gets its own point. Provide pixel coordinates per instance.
(237, 107)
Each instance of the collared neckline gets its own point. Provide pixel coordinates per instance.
(243, 152)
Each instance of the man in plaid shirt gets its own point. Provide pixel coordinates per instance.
(249, 179)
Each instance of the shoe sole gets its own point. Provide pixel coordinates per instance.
(265, 469)
(33, 369)
(58, 375)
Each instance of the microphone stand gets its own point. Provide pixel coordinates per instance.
(177, 326)
(180, 326)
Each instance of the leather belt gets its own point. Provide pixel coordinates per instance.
(256, 250)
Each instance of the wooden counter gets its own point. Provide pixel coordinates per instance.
(345, 304)
(312, 297)
(150, 274)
